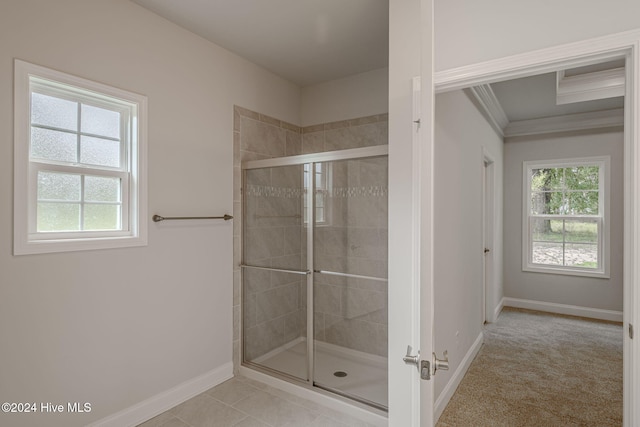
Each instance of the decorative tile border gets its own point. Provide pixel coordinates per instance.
(281, 192)
(372, 191)
(296, 193)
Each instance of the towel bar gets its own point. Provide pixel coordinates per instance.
(158, 218)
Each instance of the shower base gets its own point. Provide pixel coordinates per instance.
(354, 373)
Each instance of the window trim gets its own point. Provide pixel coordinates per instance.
(603, 162)
(25, 170)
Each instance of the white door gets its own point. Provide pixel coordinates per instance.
(485, 245)
(411, 399)
(488, 194)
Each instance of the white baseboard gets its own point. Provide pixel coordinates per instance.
(572, 310)
(447, 393)
(498, 310)
(149, 408)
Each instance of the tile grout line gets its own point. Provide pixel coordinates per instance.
(240, 410)
(284, 398)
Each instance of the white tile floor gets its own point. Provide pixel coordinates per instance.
(242, 402)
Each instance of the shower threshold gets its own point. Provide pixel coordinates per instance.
(349, 372)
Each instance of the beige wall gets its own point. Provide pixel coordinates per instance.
(469, 32)
(553, 288)
(461, 132)
(116, 327)
(360, 95)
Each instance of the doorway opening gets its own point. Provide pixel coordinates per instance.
(626, 118)
(488, 236)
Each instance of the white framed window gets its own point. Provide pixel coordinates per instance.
(80, 163)
(565, 221)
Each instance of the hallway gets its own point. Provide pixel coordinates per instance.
(541, 369)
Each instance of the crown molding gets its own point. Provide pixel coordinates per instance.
(497, 118)
(491, 106)
(589, 86)
(566, 123)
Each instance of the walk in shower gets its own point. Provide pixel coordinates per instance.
(314, 264)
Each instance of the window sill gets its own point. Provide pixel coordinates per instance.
(564, 271)
(43, 246)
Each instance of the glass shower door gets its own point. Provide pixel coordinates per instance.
(275, 271)
(350, 272)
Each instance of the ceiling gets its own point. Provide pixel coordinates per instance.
(303, 41)
(313, 41)
(535, 97)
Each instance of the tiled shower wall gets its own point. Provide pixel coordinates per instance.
(350, 313)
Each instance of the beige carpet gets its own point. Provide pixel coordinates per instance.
(539, 369)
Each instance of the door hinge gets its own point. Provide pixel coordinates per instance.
(630, 331)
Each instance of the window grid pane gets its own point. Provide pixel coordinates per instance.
(98, 217)
(70, 132)
(100, 122)
(102, 189)
(58, 217)
(547, 253)
(53, 186)
(78, 202)
(581, 255)
(582, 178)
(51, 111)
(568, 242)
(99, 151)
(47, 144)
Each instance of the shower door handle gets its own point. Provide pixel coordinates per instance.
(281, 270)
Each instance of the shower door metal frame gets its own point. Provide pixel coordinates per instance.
(312, 158)
(324, 156)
